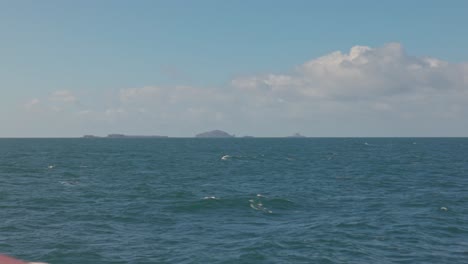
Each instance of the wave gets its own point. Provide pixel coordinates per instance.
(244, 203)
(258, 205)
(237, 157)
(242, 157)
(69, 183)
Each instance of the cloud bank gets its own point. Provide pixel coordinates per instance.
(367, 87)
(363, 74)
(367, 91)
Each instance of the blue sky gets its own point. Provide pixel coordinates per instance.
(69, 68)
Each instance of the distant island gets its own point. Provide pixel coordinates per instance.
(134, 136)
(214, 134)
(297, 135)
(209, 134)
(125, 136)
(90, 136)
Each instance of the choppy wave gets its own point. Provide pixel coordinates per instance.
(269, 201)
(241, 157)
(241, 204)
(69, 183)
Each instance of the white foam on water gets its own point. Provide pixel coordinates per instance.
(225, 157)
(69, 183)
(210, 198)
(51, 166)
(444, 208)
(259, 206)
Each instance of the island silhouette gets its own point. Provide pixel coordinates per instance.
(208, 134)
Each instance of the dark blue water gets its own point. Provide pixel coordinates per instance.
(358, 200)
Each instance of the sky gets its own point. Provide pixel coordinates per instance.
(261, 68)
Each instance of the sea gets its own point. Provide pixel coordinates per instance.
(234, 200)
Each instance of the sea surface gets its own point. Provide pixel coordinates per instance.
(241, 200)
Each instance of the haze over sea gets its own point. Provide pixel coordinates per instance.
(252, 200)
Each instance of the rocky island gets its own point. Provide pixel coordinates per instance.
(125, 136)
(134, 136)
(297, 135)
(214, 134)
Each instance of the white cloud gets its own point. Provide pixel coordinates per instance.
(361, 89)
(363, 74)
(367, 91)
(365, 80)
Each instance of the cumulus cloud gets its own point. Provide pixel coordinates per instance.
(362, 74)
(359, 88)
(380, 83)
(366, 91)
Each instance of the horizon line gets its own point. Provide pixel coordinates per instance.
(235, 137)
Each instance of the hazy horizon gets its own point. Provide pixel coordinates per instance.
(263, 69)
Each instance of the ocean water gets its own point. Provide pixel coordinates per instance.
(252, 200)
